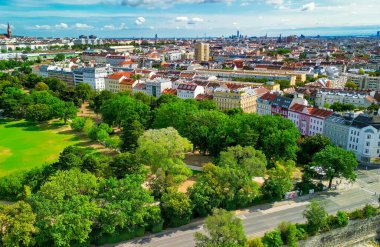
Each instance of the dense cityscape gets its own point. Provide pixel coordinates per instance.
(231, 140)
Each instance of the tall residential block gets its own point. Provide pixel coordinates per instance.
(202, 52)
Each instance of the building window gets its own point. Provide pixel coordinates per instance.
(368, 136)
(367, 144)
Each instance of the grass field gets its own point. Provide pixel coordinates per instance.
(24, 145)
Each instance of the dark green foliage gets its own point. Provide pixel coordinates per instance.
(176, 209)
(223, 229)
(336, 162)
(131, 133)
(278, 183)
(210, 191)
(124, 164)
(369, 211)
(273, 239)
(316, 217)
(289, 234)
(311, 145)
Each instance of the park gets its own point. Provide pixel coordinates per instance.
(25, 145)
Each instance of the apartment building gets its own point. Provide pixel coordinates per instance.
(264, 104)
(157, 86)
(189, 90)
(309, 120)
(244, 98)
(113, 81)
(95, 77)
(365, 82)
(231, 74)
(364, 138)
(358, 99)
(337, 128)
(202, 52)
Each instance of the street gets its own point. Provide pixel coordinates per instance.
(259, 219)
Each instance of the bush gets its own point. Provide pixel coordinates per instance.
(357, 214)
(301, 232)
(289, 233)
(369, 211)
(342, 218)
(273, 239)
(78, 123)
(256, 242)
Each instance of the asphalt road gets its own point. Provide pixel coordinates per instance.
(260, 219)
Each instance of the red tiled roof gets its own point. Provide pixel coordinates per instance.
(204, 97)
(169, 91)
(298, 107)
(118, 75)
(315, 112)
(127, 82)
(269, 96)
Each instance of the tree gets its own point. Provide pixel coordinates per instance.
(222, 187)
(289, 233)
(59, 57)
(17, 225)
(252, 161)
(256, 242)
(311, 145)
(361, 72)
(222, 229)
(68, 111)
(124, 164)
(125, 206)
(131, 133)
(100, 98)
(38, 112)
(121, 110)
(65, 201)
(351, 85)
(173, 113)
(273, 239)
(316, 217)
(164, 150)
(83, 91)
(176, 209)
(41, 86)
(279, 181)
(336, 163)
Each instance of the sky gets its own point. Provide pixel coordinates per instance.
(189, 18)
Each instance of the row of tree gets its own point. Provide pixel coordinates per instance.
(223, 228)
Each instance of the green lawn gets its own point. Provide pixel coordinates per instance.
(24, 145)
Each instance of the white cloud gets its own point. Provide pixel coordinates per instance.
(308, 7)
(277, 3)
(3, 26)
(197, 19)
(182, 19)
(140, 21)
(42, 27)
(82, 26)
(62, 26)
(122, 26)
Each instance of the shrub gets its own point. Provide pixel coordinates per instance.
(301, 232)
(288, 233)
(256, 242)
(78, 123)
(342, 218)
(357, 214)
(369, 211)
(273, 239)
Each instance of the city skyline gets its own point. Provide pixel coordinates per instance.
(188, 18)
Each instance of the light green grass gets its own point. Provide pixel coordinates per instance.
(24, 145)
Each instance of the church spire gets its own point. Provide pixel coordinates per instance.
(9, 31)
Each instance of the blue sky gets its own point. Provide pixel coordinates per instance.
(189, 18)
